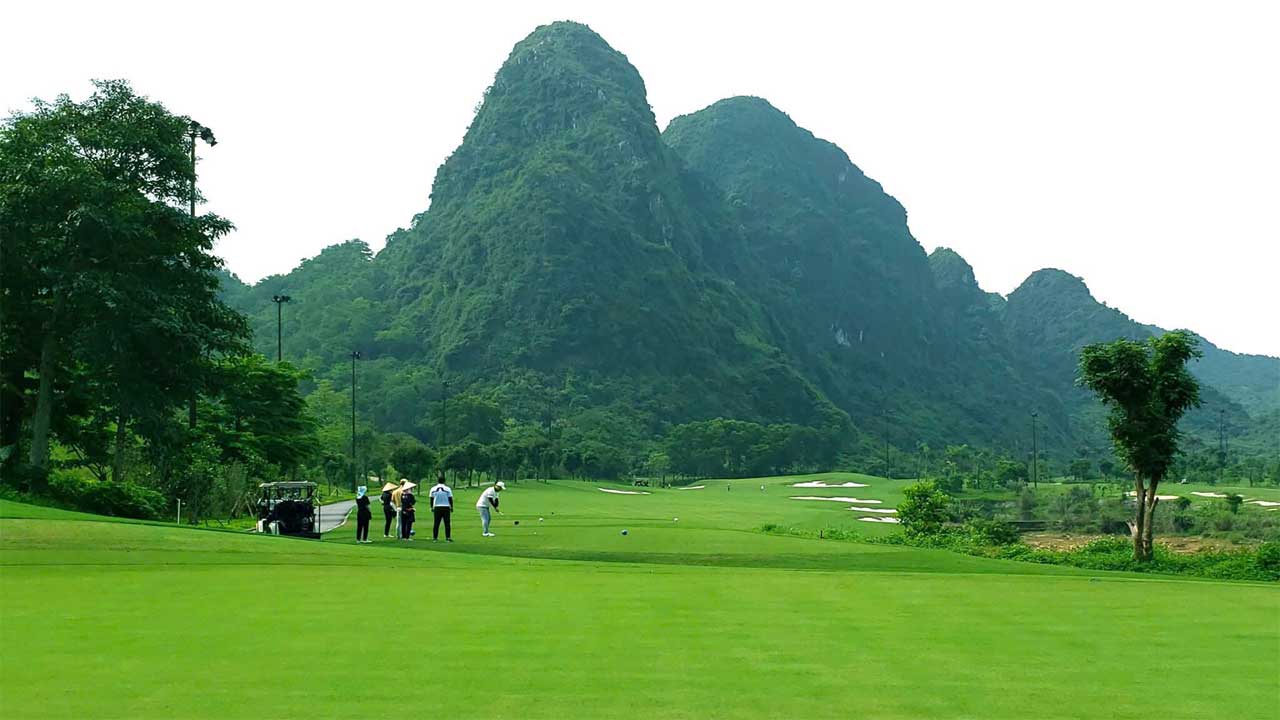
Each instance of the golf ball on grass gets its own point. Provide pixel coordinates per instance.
(624, 532)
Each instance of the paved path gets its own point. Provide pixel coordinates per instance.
(333, 515)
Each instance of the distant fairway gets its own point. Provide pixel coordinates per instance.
(692, 619)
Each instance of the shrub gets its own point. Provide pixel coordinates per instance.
(924, 508)
(1223, 522)
(1268, 558)
(120, 499)
(991, 532)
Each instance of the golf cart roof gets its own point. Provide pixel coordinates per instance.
(287, 485)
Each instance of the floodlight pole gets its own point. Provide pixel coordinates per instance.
(355, 355)
(279, 300)
(1222, 442)
(196, 131)
(1035, 453)
(442, 442)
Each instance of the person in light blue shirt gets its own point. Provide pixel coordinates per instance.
(441, 509)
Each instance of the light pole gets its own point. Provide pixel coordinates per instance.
(197, 131)
(279, 300)
(443, 440)
(885, 416)
(1222, 442)
(355, 355)
(201, 132)
(1035, 453)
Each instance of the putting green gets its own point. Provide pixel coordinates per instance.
(569, 618)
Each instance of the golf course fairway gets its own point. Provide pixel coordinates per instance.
(701, 617)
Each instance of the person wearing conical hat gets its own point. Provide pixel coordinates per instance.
(388, 509)
(363, 515)
(407, 501)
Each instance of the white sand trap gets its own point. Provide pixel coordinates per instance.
(1131, 493)
(820, 484)
(838, 499)
(1265, 503)
(623, 492)
(887, 511)
(886, 519)
(1204, 494)
(692, 487)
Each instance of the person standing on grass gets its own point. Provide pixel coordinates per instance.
(388, 509)
(363, 514)
(441, 509)
(407, 501)
(487, 503)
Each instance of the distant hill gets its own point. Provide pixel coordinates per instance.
(577, 266)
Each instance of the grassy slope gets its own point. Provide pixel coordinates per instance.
(691, 619)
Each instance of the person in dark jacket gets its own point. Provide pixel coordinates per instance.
(388, 509)
(407, 501)
(363, 515)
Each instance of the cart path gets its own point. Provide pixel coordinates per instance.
(334, 515)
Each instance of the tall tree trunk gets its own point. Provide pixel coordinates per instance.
(44, 403)
(1149, 522)
(117, 457)
(1139, 528)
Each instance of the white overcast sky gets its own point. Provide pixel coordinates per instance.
(1134, 144)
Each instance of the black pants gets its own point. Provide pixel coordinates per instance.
(362, 526)
(406, 523)
(442, 513)
(390, 515)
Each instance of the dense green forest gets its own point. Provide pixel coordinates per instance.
(594, 278)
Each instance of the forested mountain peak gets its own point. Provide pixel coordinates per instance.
(951, 271)
(1059, 283)
(562, 90)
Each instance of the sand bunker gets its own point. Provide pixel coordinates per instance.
(692, 487)
(883, 520)
(1131, 493)
(820, 484)
(838, 499)
(1214, 495)
(623, 492)
(1265, 503)
(888, 511)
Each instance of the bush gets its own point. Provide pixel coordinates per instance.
(991, 532)
(924, 508)
(108, 498)
(1268, 558)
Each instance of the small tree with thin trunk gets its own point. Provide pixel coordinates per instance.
(1147, 388)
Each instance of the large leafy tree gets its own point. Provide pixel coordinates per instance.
(256, 412)
(104, 268)
(1146, 388)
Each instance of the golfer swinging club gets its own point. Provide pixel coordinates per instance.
(488, 499)
(441, 509)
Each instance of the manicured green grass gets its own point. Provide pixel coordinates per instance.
(568, 618)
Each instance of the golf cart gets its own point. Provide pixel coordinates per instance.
(288, 508)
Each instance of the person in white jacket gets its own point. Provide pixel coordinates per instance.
(488, 503)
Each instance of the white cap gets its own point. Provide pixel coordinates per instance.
(500, 485)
